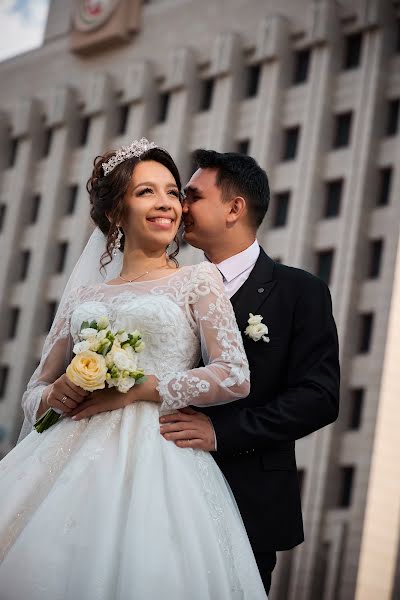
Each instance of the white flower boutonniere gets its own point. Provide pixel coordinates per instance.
(256, 330)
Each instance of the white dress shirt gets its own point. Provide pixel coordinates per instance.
(235, 271)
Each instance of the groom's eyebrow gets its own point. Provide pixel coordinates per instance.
(191, 189)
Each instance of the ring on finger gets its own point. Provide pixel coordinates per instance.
(64, 399)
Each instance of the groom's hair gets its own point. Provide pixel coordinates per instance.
(238, 175)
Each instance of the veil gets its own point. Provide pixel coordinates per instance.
(85, 273)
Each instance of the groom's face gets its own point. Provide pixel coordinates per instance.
(203, 211)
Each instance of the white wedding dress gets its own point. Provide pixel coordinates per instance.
(107, 509)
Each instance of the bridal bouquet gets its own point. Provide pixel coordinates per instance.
(101, 357)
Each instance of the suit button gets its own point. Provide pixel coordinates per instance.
(260, 290)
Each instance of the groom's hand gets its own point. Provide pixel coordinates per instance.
(188, 429)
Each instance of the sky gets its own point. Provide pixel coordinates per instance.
(22, 24)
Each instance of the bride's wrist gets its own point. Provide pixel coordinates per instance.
(148, 390)
(43, 406)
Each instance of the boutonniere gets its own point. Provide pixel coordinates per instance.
(256, 330)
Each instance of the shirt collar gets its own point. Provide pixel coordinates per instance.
(235, 265)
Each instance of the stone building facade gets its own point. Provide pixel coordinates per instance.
(312, 91)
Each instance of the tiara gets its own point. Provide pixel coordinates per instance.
(137, 148)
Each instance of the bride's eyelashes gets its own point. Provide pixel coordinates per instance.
(148, 190)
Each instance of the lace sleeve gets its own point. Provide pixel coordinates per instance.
(56, 355)
(226, 375)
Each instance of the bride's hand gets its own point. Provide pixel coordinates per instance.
(111, 399)
(63, 395)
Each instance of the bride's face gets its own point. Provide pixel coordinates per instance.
(153, 208)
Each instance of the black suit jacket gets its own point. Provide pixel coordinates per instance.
(294, 391)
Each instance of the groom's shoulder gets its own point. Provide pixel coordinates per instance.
(296, 279)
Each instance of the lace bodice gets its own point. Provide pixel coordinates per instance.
(182, 317)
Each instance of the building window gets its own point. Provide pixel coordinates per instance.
(356, 408)
(301, 66)
(253, 73)
(375, 258)
(333, 198)
(163, 106)
(352, 51)
(341, 137)
(281, 209)
(12, 152)
(35, 207)
(385, 180)
(47, 141)
(83, 129)
(122, 118)
(62, 250)
(346, 486)
(3, 210)
(366, 326)
(51, 312)
(324, 265)
(72, 193)
(392, 122)
(4, 371)
(242, 147)
(25, 259)
(206, 93)
(291, 140)
(13, 322)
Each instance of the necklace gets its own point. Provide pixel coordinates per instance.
(141, 275)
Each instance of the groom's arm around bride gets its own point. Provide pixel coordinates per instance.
(294, 375)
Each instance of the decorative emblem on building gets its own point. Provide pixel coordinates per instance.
(91, 14)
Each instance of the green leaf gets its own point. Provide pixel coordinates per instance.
(93, 325)
(85, 325)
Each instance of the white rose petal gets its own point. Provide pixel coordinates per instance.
(87, 333)
(254, 319)
(81, 347)
(122, 361)
(125, 384)
(100, 335)
(122, 337)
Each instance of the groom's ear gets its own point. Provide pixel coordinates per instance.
(237, 208)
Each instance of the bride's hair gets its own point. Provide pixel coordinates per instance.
(107, 193)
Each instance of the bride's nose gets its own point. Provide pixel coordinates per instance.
(164, 202)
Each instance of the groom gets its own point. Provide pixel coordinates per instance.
(294, 370)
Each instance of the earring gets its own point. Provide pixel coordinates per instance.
(117, 244)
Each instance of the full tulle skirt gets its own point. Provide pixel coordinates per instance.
(107, 509)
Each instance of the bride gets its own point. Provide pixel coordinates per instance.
(103, 507)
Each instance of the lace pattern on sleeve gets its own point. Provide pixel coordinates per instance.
(55, 356)
(226, 375)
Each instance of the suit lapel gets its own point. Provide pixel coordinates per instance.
(255, 290)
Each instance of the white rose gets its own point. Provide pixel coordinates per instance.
(81, 347)
(255, 319)
(125, 384)
(87, 333)
(103, 322)
(122, 337)
(122, 361)
(257, 332)
(101, 335)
